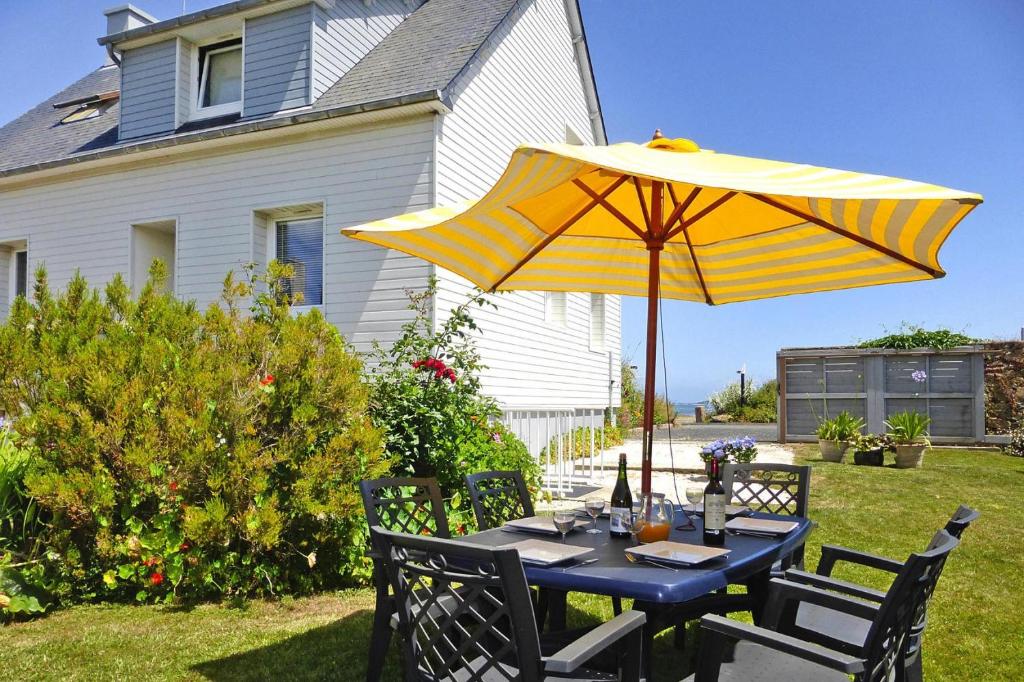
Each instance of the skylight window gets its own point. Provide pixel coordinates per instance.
(220, 78)
(84, 112)
(84, 108)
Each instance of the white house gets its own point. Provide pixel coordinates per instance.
(258, 128)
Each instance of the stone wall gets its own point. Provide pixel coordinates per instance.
(1004, 385)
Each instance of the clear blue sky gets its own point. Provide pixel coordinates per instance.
(931, 90)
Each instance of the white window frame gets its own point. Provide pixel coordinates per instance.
(203, 71)
(12, 280)
(272, 252)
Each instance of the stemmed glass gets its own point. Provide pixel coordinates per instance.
(594, 506)
(634, 522)
(694, 494)
(564, 522)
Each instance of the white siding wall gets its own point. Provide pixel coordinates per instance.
(184, 94)
(358, 175)
(347, 31)
(277, 61)
(525, 86)
(148, 88)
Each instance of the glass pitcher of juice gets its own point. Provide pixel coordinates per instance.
(657, 513)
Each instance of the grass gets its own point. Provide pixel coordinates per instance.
(975, 630)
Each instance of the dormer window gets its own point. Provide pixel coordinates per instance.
(220, 79)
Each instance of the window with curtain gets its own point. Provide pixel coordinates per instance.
(597, 322)
(300, 243)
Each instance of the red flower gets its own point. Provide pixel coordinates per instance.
(267, 380)
(156, 578)
(173, 485)
(461, 530)
(184, 547)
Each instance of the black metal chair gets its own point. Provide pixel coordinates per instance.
(781, 650)
(771, 488)
(498, 497)
(854, 630)
(465, 616)
(406, 505)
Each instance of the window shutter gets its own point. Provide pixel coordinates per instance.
(300, 243)
(597, 322)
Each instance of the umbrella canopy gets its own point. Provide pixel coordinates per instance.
(670, 219)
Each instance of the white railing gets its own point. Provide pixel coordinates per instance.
(539, 428)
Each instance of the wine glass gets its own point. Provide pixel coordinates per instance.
(594, 506)
(694, 494)
(564, 522)
(634, 522)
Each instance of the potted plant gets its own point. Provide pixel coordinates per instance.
(869, 449)
(834, 435)
(909, 432)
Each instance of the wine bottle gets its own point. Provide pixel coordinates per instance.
(622, 501)
(714, 508)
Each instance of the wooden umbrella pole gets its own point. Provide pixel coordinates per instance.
(654, 247)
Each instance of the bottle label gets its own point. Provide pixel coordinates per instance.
(714, 512)
(616, 516)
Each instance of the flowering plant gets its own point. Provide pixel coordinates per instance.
(732, 450)
(426, 397)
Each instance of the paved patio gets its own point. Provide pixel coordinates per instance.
(676, 459)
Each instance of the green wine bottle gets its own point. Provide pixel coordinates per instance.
(622, 502)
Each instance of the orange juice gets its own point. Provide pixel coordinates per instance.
(653, 532)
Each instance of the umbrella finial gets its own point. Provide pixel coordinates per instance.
(657, 134)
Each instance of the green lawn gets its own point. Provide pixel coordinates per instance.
(975, 632)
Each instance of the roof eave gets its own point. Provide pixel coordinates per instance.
(236, 129)
(224, 10)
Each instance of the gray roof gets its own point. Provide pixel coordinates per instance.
(417, 61)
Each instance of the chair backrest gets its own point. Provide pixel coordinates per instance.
(464, 610)
(498, 497)
(903, 609)
(963, 517)
(405, 505)
(773, 488)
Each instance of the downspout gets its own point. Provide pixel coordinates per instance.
(112, 56)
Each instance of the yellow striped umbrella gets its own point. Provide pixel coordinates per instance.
(667, 218)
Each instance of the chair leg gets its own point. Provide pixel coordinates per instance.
(617, 605)
(679, 636)
(541, 612)
(556, 609)
(380, 635)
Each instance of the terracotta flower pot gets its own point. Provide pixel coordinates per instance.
(833, 450)
(910, 456)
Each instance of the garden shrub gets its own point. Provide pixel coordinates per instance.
(21, 588)
(187, 453)
(427, 399)
(759, 406)
(910, 336)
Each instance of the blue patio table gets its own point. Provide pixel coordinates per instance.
(656, 590)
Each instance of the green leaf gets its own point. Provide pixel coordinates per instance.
(124, 571)
(140, 596)
(456, 500)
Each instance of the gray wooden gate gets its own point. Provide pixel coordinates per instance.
(948, 386)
